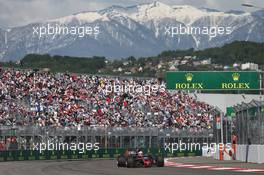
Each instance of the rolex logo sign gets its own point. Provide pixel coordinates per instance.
(189, 77)
(236, 84)
(189, 84)
(213, 80)
(235, 76)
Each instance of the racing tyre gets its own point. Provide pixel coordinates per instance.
(130, 163)
(121, 161)
(139, 164)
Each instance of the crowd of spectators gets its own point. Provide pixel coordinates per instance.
(36, 98)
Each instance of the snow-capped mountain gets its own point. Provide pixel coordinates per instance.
(140, 30)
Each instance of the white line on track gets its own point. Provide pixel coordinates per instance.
(224, 168)
(202, 167)
(250, 170)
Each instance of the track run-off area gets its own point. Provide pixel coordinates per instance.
(108, 167)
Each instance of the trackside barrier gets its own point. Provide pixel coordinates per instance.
(255, 153)
(22, 155)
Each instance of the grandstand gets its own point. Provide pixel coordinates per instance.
(42, 104)
(31, 98)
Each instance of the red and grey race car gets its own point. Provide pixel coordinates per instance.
(132, 159)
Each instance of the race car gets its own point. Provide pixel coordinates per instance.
(136, 159)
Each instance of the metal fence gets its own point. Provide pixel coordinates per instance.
(250, 122)
(25, 137)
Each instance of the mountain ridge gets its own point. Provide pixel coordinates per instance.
(133, 31)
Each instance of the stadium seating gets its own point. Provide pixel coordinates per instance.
(33, 98)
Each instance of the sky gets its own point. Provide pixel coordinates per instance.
(21, 12)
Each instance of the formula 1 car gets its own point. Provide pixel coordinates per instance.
(131, 159)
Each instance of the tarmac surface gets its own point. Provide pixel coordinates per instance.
(101, 167)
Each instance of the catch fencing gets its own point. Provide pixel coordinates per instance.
(250, 131)
(17, 143)
(24, 137)
(250, 123)
(20, 142)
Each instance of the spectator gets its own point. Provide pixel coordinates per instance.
(29, 98)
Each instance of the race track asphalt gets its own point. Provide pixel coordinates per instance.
(95, 167)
